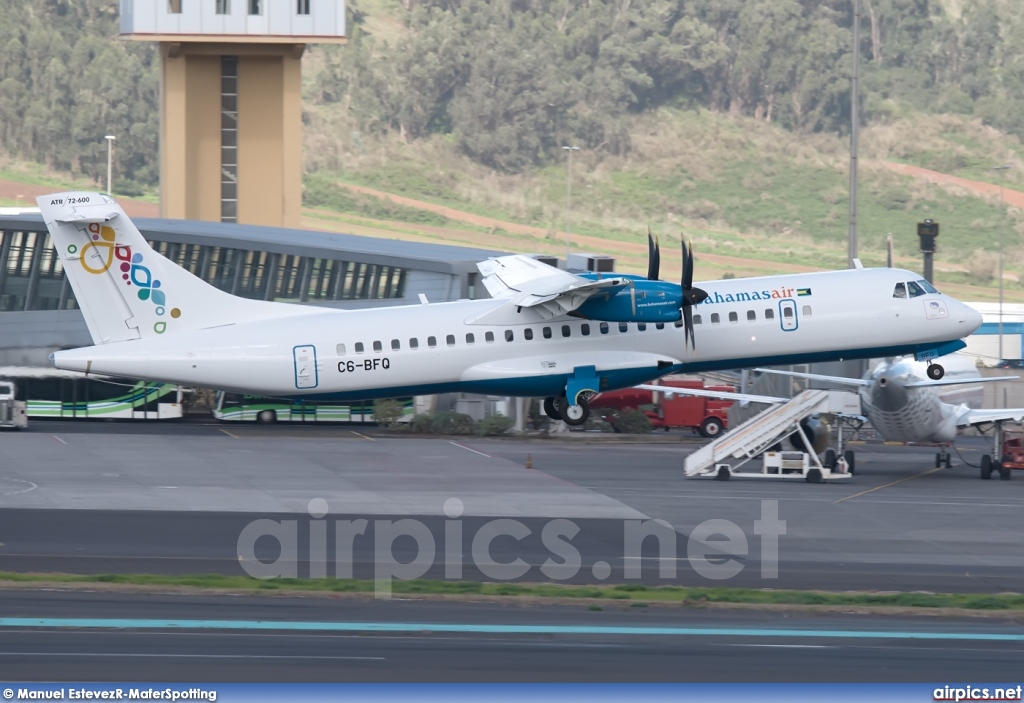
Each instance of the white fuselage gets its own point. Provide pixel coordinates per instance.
(488, 346)
(904, 414)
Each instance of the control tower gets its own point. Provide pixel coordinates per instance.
(231, 102)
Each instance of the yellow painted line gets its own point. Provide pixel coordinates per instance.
(362, 435)
(878, 488)
(232, 436)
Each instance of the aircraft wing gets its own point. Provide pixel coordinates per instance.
(529, 283)
(968, 417)
(959, 381)
(670, 391)
(820, 377)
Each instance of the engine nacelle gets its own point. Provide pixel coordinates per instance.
(656, 301)
(819, 434)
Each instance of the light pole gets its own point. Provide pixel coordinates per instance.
(854, 138)
(1002, 171)
(110, 147)
(568, 199)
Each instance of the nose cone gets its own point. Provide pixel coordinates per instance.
(971, 318)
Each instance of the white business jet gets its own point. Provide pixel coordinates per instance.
(545, 333)
(903, 405)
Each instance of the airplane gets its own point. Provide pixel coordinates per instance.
(904, 406)
(544, 332)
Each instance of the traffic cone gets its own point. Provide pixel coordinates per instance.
(529, 461)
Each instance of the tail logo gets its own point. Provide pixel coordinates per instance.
(132, 270)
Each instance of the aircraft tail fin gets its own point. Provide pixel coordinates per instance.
(125, 289)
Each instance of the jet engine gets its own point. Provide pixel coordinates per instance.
(818, 433)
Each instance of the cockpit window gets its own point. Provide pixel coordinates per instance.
(928, 287)
(915, 290)
(901, 291)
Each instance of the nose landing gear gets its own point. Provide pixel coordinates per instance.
(935, 372)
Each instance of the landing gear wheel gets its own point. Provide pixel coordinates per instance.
(850, 463)
(551, 409)
(1004, 472)
(723, 474)
(814, 476)
(986, 467)
(936, 372)
(938, 460)
(711, 427)
(266, 417)
(829, 461)
(574, 415)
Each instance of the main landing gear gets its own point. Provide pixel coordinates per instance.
(558, 408)
(936, 372)
(943, 459)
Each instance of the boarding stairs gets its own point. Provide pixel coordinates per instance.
(756, 435)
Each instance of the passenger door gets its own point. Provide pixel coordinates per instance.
(305, 366)
(787, 315)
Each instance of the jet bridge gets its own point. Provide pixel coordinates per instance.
(724, 455)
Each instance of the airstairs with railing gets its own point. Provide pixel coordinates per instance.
(721, 457)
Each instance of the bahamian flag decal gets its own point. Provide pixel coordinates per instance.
(803, 291)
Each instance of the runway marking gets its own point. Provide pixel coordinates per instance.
(59, 439)
(887, 485)
(31, 487)
(470, 450)
(186, 656)
(418, 628)
(357, 434)
(229, 434)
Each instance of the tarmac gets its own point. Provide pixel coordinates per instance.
(176, 498)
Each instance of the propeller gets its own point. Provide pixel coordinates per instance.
(691, 296)
(653, 256)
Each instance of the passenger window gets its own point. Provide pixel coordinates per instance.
(341, 350)
(807, 310)
(715, 318)
(488, 337)
(431, 342)
(414, 343)
(641, 326)
(547, 333)
(377, 346)
(915, 290)
(395, 345)
(623, 327)
(659, 326)
(734, 317)
(679, 323)
(604, 328)
(470, 339)
(697, 319)
(751, 316)
(359, 347)
(528, 333)
(509, 336)
(566, 330)
(901, 291)
(787, 312)
(450, 339)
(585, 330)
(769, 314)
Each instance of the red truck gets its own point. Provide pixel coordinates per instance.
(707, 416)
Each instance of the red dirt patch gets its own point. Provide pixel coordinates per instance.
(27, 193)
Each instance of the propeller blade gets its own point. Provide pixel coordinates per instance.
(689, 337)
(653, 256)
(687, 282)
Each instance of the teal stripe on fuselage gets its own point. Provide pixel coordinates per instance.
(554, 384)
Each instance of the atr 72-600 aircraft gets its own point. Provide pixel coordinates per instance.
(544, 333)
